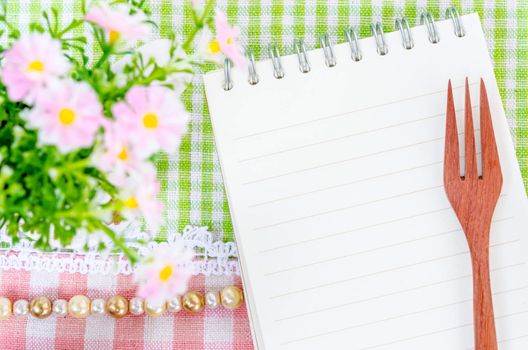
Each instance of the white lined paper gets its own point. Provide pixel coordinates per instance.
(334, 180)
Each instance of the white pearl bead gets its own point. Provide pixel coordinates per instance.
(79, 306)
(211, 299)
(60, 307)
(174, 305)
(21, 308)
(154, 310)
(5, 308)
(97, 307)
(231, 297)
(136, 306)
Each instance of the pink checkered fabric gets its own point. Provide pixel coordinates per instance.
(212, 329)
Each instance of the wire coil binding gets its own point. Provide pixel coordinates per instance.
(302, 56)
(326, 45)
(278, 70)
(403, 25)
(253, 78)
(452, 12)
(228, 81)
(351, 36)
(428, 20)
(379, 36)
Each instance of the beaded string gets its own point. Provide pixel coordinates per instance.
(80, 306)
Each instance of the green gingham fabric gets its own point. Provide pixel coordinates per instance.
(192, 184)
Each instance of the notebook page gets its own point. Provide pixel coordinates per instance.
(334, 180)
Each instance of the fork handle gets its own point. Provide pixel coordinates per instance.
(484, 320)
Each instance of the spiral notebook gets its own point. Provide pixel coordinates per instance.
(334, 181)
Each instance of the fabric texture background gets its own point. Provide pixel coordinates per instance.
(192, 184)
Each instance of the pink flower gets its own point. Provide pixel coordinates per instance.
(118, 156)
(209, 47)
(226, 41)
(30, 64)
(118, 22)
(154, 117)
(140, 198)
(67, 114)
(165, 274)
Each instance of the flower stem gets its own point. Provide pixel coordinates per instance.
(70, 167)
(190, 38)
(159, 74)
(199, 25)
(104, 57)
(118, 241)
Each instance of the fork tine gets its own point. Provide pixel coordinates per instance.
(469, 137)
(490, 156)
(451, 152)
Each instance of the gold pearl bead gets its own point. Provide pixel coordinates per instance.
(117, 306)
(154, 310)
(40, 307)
(79, 306)
(6, 309)
(231, 297)
(193, 302)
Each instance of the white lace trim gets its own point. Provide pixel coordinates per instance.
(214, 257)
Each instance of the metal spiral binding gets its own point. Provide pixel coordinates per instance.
(253, 78)
(302, 56)
(457, 23)
(428, 20)
(228, 81)
(326, 45)
(278, 70)
(351, 37)
(403, 25)
(379, 36)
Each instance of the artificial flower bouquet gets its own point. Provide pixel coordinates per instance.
(83, 120)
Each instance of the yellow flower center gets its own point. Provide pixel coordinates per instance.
(66, 116)
(36, 66)
(166, 273)
(131, 203)
(214, 46)
(123, 155)
(150, 121)
(113, 36)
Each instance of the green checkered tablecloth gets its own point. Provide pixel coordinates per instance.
(191, 180)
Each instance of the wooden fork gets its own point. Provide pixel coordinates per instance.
(474, 199)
